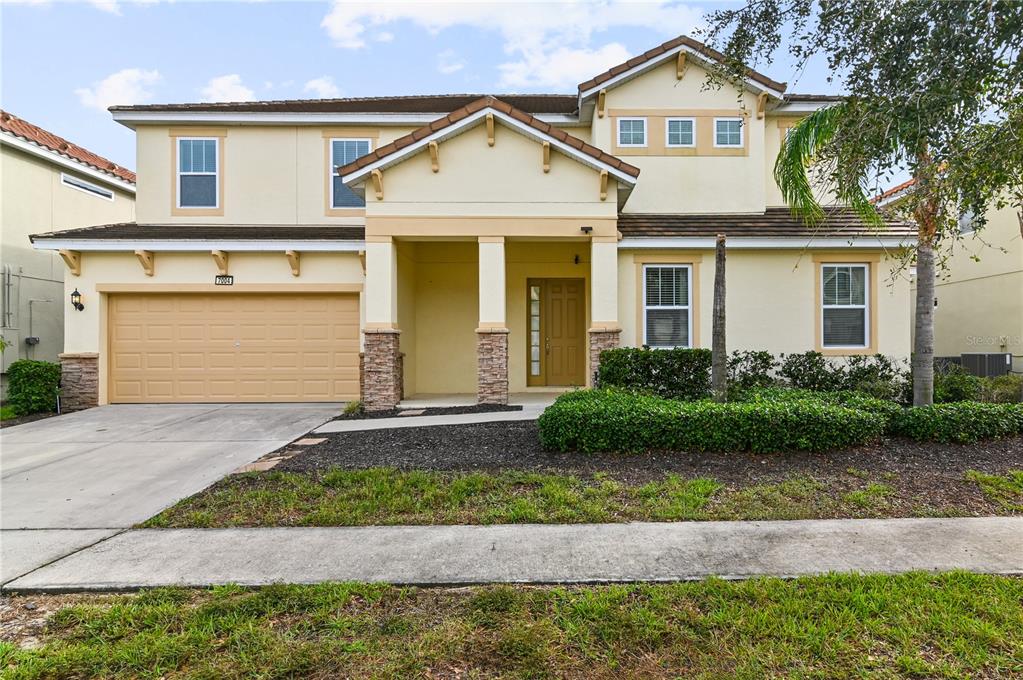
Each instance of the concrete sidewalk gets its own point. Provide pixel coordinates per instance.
(528, 412)
(584, 553)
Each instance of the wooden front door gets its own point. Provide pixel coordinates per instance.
(556, 344)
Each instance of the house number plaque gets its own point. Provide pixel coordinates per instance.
(224, 280)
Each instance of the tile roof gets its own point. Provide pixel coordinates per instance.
(497, 105)
(33, 133)
(131, 231)
(897, 189)
(840, 222)
(708, 52)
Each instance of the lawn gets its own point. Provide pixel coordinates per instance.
(953, 625)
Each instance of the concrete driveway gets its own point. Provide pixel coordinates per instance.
(72, 480)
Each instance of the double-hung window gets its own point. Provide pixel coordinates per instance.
(680, 132)
(198, 163)
(845, 317)
(728, 132)
(667, 321)
(632, 132)
(343, 152)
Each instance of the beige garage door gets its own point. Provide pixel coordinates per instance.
(233, 347)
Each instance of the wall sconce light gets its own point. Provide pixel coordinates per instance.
(76, 300)
(576, 259)
(586, 230)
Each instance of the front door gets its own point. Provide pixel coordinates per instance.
(557, 332)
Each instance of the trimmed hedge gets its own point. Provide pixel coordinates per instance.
(32, 386)
(670, 373)
(889, 410)
(614, 420)
(960, 422)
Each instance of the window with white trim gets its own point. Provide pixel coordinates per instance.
(343, 152)
(680, 132)
(845, 317)
(198, 162)
(88, 187)
(728, 132)
(632, 132)
(667, 302)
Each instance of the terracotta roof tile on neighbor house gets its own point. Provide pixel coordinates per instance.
(132, 231)
(33, 133)
(897, 189)
(498, 105)
(708, 52)
(840, 222)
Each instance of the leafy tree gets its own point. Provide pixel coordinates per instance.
(933, 87)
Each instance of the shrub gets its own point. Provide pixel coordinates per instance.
(1005, 389)
(962, 423)
(32, 386)
(669, 373)
(953, 383)
(614, 420)
(812, 371)
(750, 369)
(888, 410)
(353, 408)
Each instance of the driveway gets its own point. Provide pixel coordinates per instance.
(70, 481)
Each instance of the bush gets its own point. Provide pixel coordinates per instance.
(1005, 389)
(962, 423)
(614, 420)
(888, 410)
(953, 383)
(812, 371)
(670, 373)
(750, 369)
(32, 386)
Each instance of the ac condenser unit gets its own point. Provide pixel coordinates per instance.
(987, 365)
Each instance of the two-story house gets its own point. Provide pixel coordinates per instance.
(316, 250)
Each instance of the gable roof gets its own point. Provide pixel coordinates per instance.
(34, 134)
(893, 193)
(470, 114)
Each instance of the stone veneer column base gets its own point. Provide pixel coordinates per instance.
(381, 387)
(79, 380)
(492, 365)
(600, 340)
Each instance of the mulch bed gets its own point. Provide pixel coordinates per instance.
(428, 411)
(21, 420)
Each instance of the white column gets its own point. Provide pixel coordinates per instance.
(492, 282)
(381, 283)
(604, 282)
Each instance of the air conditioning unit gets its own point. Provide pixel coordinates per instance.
(987, 365)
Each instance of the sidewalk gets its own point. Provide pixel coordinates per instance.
(586, 553)
(528, 412)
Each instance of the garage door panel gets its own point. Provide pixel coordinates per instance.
(233, 347)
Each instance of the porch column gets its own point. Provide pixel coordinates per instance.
(492, 334)
(605, 330)
(381, 366)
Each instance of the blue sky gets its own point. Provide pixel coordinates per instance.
(63, 63)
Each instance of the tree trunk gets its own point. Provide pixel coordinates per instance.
(923, 346)
(719, 352)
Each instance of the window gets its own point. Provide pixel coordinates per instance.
(666, 304)
(727, 132)
(632, 132)
(343, 152)
(844, 320)
(681, 132)
(87, 187)
(967, 222)
(197, 173)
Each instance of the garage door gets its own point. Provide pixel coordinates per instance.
(233, 347)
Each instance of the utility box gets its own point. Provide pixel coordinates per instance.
(987, 365)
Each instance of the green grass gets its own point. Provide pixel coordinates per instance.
(1005, 490)
(7, 412)
(953, 625)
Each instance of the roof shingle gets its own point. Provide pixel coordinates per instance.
(132, 231)
(839, 222)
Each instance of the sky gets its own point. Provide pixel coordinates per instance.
(63, 63)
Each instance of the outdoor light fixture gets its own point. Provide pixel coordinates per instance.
(586, 230)
(76, 300)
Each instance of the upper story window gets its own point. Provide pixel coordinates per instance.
(343, 152)
(87, 187)
(666, 306)
(845, 318)
(198, 162)
(632, 132)
(680, 132)
(728, 132)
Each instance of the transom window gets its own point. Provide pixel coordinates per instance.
(681, 132)
(844, 317)
(87, 187)
(197, 173)
(632, 132)
(666, 306)
(343, 152)
(727, 132)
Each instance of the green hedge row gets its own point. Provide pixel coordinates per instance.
(669, 373)
(32, 386)
(961, 423)
(613, 420)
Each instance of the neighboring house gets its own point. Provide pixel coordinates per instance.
(47, 183)
(980, 289)
(462, 243)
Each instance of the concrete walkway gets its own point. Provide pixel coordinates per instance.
(528, 412)
(534, 553)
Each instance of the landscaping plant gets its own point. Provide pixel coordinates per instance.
(751, 368)
(32, 386)
(671, 373)
(960, 423)
(812, 371)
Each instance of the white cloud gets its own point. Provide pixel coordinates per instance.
(535, 35)
(448, 62)
(127, 86)
(106, 6)
(227, 88)
(384, 37)
(323, 87)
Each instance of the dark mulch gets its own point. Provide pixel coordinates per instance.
(428, 411)
(21, 420)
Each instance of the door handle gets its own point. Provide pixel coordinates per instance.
(547, 345)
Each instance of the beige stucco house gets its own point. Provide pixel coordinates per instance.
(463, 243)
(46, 183)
